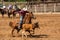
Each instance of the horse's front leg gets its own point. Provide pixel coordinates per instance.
(2, 15)
(9, 15)
(14, 15)
(33, 32)
(18, 31)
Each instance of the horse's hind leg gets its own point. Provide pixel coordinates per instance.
(18, 31)
(12, 32)
(14, 15)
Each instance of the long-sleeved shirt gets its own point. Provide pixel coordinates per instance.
(22, 12)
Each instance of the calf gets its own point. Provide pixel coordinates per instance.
(29, 27)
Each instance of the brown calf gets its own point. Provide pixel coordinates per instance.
(29, 27)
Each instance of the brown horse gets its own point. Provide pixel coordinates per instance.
(28, 17)
(14, 24)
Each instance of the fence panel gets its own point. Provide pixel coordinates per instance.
(48, 7)
(39, 7)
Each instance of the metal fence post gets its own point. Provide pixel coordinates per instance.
(44, 8)
(54, 7)
(35, 9)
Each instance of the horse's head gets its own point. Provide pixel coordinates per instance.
(31, 15)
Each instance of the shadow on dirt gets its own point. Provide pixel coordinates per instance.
(36, 36)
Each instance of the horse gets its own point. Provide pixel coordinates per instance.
(10, 12)
(13, 12)
(3, 11)
(29, 28)
(14, 24)
(28, 18)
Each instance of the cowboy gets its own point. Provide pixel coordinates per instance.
(10, 7)
(22, 14)
(16, 7)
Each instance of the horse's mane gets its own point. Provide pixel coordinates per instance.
(26, 18)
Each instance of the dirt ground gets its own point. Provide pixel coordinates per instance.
(49, 28)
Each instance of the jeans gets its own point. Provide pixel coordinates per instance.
(21, 19)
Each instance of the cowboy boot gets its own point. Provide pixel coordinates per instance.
(20, 26)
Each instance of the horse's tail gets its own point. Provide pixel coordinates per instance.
(10, 24)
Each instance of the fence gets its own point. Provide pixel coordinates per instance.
(45, 7)
(40, 7)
